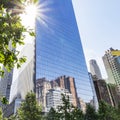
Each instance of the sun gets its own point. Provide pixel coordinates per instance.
(32, 11)
(28, 17)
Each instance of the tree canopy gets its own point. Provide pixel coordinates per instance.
(11, 35)
(29, 110)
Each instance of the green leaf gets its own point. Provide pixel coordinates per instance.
(18, 65)
(32, 33)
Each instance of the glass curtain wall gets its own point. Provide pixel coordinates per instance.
(59, 54)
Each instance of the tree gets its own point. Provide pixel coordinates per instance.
(118, 112)
(65, 108)
(29, 109)
(77, 114)
(107, 112)
(4, 100)
(3, 103)
(52, 115)
(1, 115)
(11, 35)
(66, 111)
(91, 114)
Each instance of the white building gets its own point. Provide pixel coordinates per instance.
(24, 78)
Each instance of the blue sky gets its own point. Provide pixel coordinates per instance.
(99, 26)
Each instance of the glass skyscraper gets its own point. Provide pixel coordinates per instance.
(59, 53)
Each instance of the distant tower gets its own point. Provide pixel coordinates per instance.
(111, 61)
(94, 69)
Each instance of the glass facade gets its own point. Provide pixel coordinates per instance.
(58, 48)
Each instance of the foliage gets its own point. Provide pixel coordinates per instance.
(66, 111)
(107, 112)
(3, 103)
(69, 112)
(53, 115)
(1, 115)
(11, 34)
(118, 111)
(4, 100)
(77, 114)
(29, 109)
(91, 114)
(13, 117)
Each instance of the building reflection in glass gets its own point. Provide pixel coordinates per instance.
(59, 54)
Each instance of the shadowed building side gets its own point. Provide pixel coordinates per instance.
(102, 90)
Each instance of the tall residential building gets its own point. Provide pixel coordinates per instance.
(59, 50)
(94, 68)
(23, 79)
(112, 65)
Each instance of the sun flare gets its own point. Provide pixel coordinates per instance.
(30, 11)
(29, 15)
